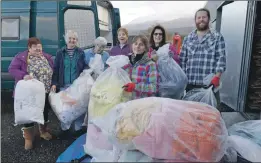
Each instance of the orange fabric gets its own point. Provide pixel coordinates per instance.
(177, 43)
(199, 141)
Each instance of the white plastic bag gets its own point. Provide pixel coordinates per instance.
(29, 101)
(164, 128)
(173, 80)
(204, 95)
(248, 129)
(71, 103)
(97, 65)
(107, 90)
(248, 149)
(118, 61)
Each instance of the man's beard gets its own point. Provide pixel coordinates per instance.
(200, 28)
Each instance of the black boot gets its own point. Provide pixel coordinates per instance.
(65, 135)
(79, 133)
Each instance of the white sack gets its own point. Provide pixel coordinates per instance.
(71, 103)
(29, 101)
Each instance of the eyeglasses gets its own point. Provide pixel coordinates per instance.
(155, 34)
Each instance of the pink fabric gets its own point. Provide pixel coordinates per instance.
(155, 141)
(97, 139)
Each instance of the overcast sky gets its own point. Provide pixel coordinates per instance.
(155, 10)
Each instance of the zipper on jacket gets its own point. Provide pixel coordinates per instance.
(70, 71)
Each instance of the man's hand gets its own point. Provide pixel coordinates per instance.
(53, 88)
(215, 81)
(28, 77)
(129, 87)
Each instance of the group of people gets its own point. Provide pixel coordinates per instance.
(202, 53)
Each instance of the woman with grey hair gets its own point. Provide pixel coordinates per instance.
(69, 64)
(99, 45)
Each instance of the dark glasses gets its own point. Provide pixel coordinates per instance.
(155, 34)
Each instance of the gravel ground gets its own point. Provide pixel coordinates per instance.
(13, 143)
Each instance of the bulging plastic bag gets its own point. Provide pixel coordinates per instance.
(71, 103)
(173, 80)
(168, 129)
(204, 95)
(249, 129)
(247, 149)
(97, 144)
(118, 61)
(107, 90)
(97, 65)
(29, 101)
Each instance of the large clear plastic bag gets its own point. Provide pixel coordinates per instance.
(244, 148)
(96, 64)
(173, 80)
(204, 95)
(71, 103)
(168, 129)
(249, 129)
(107, 90)
(29, 101)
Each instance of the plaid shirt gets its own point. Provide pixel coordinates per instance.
(145, 75)
(200, 58)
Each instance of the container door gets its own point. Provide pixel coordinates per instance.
(79, 16)
(233, 30)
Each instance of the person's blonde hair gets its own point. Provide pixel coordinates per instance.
(143, 39)
(124, 30)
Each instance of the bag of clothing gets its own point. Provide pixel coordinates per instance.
(204, 95)
(107, 90)
(248, 129)
(29, 101)
(96, 64)
(168, 129)
(173, 80)
(71, 103)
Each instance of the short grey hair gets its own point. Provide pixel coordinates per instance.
(70, 33)
(101, 41)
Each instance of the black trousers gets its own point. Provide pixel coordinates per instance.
(45, 113)
(217, 94)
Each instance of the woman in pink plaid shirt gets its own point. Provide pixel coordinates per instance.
(143, 71)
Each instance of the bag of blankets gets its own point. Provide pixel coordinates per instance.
(163, 129)
(173, 80)
(71, 103)
(106, 93)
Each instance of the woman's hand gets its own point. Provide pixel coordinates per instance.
(53, 88)
(28, 77)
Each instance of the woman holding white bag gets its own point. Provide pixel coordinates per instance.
(69, 64)
(96, 57)
(34, 64)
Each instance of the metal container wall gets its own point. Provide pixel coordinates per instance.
(233, 29)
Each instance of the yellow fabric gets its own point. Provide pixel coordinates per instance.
(135, 119)
(105, 95)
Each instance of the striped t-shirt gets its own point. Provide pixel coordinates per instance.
(70, 52)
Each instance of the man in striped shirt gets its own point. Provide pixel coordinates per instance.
(203, 53)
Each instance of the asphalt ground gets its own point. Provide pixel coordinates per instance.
(12, 142)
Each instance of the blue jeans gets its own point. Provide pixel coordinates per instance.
(77, 123)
